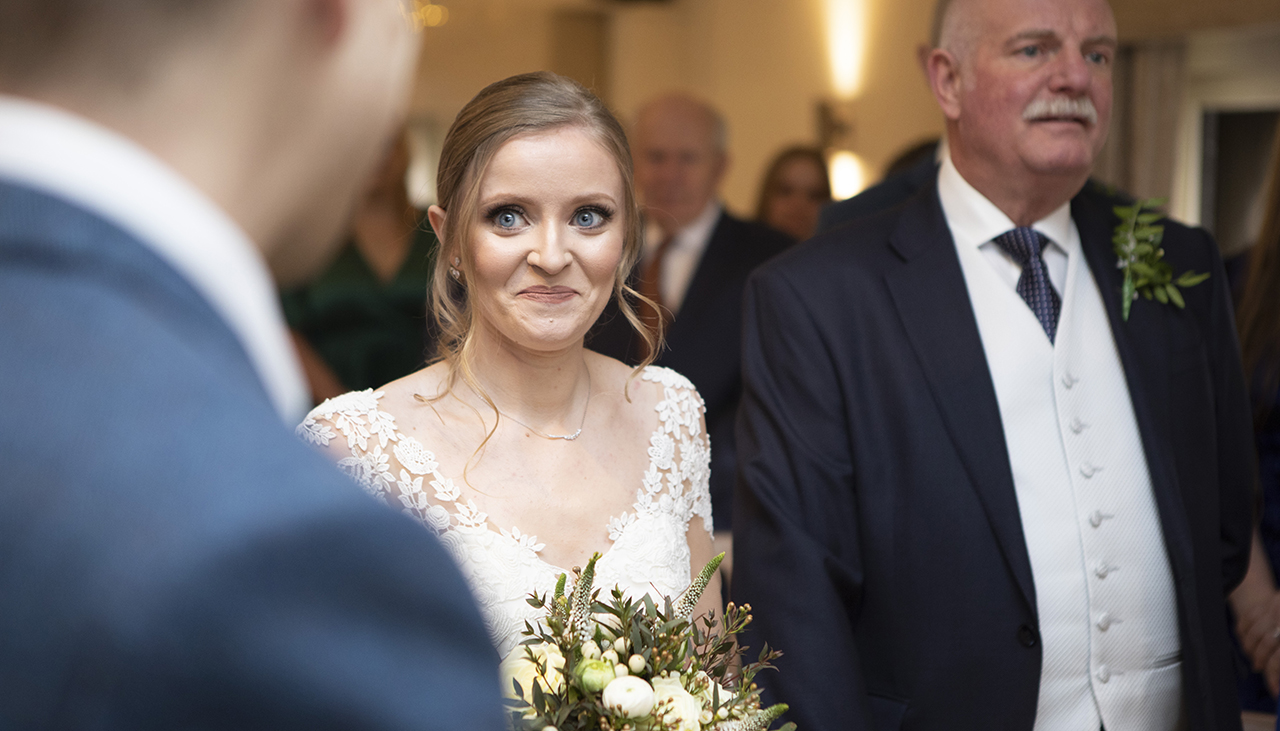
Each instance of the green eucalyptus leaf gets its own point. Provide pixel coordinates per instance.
(1161, 295)
(1175, 296)
(1191, 279)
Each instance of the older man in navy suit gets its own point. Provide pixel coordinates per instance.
(976, 490)
(170, 555)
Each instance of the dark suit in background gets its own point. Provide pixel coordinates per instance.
(171, 556)
(878, 535)
(704, 340)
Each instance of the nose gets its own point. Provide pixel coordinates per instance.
(550, 251)
(1073, 74)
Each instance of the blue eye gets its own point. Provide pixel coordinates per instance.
(1097, 57)
(1029, 51)
(590, 218)
(507, 218)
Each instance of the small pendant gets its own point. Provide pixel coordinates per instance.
(567, 437)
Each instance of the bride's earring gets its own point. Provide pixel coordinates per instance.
(454, 271)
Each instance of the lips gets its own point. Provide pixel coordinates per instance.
(548, 295)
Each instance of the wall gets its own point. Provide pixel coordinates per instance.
(483, 41)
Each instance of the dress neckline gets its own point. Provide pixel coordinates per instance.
(358, 417)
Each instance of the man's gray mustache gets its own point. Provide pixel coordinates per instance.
(1059, 107)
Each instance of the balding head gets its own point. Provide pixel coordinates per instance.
(680, 154)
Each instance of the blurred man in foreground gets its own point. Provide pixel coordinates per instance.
(170, 556)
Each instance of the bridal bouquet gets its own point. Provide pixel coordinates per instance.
(630, 665)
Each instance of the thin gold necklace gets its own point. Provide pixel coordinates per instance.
(566, 437)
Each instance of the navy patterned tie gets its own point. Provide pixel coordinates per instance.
(1026, 245)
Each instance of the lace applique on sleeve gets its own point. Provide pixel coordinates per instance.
(677, 481)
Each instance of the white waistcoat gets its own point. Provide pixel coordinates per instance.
(1104, 591)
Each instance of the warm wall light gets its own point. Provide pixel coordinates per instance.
(848, 176)
(428, 15)
(846, 45)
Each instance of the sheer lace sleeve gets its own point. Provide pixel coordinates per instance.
(364, 441)
(679, 451)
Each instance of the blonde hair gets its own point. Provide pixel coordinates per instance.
(502, 111)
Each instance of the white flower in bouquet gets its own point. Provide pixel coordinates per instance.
(520, 667)
(682, 712)
(594, 674)
(630, 696)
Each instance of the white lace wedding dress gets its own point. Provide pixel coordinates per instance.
(648, 554)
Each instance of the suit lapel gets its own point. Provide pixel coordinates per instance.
(932, 300)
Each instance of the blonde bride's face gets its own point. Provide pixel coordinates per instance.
(548, 239)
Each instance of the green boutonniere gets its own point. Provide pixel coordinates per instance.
(1137, 242)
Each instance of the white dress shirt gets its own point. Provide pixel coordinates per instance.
(53, 151)
(684, 255)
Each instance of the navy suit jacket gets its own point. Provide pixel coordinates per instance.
(877, 535)
(704, 340)
(170, 555)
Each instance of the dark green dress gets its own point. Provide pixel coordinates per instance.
(368, 332)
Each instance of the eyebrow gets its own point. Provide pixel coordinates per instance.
(1043, 34)
(522, 200)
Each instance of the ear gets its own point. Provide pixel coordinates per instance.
(945, 80)
(436, 215)
(722, 167)
(328, 19)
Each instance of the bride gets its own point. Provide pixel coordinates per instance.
(524, 451)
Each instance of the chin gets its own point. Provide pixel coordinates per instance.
(1063, 161)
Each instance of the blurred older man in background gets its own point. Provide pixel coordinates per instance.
(696, 262)
(978, 490)
(170, 555)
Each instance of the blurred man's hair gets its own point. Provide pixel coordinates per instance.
(45, 40)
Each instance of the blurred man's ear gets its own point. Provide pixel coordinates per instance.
(923, 51)
(722, 167)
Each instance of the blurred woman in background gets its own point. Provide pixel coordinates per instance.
(796, 187)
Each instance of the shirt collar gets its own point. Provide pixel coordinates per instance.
(692, 238)
(975, 221)
(47, 149)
